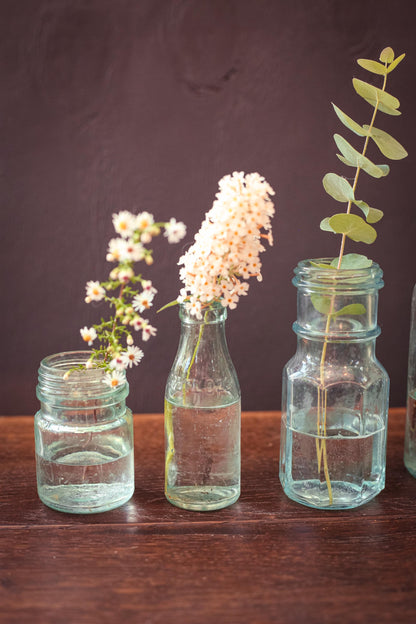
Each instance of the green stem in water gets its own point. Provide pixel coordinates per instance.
(170, 452)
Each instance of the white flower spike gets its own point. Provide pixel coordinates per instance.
(227, 247)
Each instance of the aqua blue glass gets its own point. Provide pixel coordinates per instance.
(83, 438)
(202, 417)
(335, 392)
(410, 434)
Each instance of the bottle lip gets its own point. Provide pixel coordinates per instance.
(211, 315)
(88, 382)
(307, 273)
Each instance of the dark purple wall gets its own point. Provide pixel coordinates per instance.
(143, 105)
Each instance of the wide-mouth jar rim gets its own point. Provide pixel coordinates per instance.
(52, 378)
(308, 273)
(61, 362)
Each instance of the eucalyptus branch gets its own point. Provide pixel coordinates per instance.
(348, 224)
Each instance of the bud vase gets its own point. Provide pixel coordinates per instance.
(335, 392)
(410, 435)
(83, 438)
(202, 417)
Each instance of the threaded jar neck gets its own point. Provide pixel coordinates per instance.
(82, 388)
(308, 275)
(337, 304)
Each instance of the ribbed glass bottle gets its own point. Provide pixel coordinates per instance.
(202, 417)
(410, 435)
(335, 392)
(83, 438)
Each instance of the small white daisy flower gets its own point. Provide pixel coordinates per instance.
(131, 356)
(125, 275)
(118, 362)
(116, 247)
(88, 334)
(137, 323)
(132, 251)
(143, 301)
(175, 231)
(124, 223)
(144, 220)
(114, 379)
(95, 292)
(147, 330)
(147, 285)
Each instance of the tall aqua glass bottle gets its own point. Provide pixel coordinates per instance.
(202, 417)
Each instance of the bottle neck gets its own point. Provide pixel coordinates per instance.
(202, 340)
(203, 373)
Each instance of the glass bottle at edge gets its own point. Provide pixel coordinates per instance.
(410, 434)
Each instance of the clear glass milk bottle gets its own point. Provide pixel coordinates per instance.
(410, 435)
(83, 438)
(202, 417)
(335, 392)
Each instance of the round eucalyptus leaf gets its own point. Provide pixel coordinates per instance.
(353, 156)
(348, 122)
(338, 187)
(354, 227)
(352, 308)
(324, 225)
(377, 97)
(394, 64)
(387, 55)
(373, 66)
(372, 215)
(353, 261)
(387, 144)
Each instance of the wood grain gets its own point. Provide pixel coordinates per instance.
(263, 560)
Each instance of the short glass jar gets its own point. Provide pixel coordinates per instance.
(335, 391)
(83, 437)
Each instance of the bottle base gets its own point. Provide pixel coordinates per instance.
(202, 497)
(314, 493)
(85, 498)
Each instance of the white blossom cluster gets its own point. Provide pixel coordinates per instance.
(226, 251)
(135, 231)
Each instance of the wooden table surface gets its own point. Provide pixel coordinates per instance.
(264, 560)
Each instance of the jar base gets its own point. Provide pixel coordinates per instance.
(87, 498)
(313, 493)
(203, 497)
